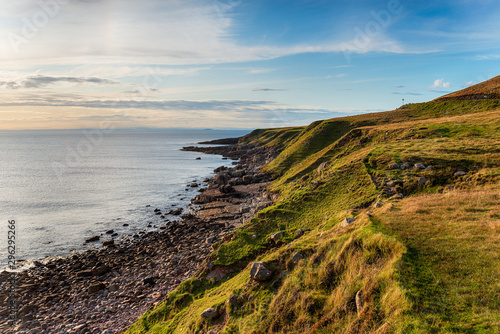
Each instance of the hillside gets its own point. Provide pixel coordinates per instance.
(489, 89)
(420, 252)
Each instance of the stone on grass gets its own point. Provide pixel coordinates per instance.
(460, 173)
(347, 221)
(297, 257)
(299, 233)
(422, 180)
(322, 166)
(419, 166)
(394, 166)
(209, 313)
(276, 236)
(259, 272)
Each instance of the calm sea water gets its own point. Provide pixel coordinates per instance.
(62, 187)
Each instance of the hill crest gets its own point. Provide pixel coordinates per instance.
(489, 89)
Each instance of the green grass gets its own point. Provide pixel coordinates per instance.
(428, 263)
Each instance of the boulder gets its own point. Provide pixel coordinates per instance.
(347, 221)
(460, 173)
(149, 280)
(110, 242)
(91, 239)
(276, 236)
(299, 233)
(422, 180)
(394, 166)
(297, 257)
(405, 166)
(96, 287)
(259, 272)
(419, 166)
(209, 313)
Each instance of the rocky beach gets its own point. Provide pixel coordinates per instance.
(105, 290)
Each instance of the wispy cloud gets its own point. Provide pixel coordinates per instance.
(41, 81)
(269, 89)
(407, 93)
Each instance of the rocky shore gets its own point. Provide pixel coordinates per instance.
(106, 290)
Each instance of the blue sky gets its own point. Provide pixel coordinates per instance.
(234, 63)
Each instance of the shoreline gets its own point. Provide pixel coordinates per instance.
(105, 290)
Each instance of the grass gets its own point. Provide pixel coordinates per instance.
(427, 263)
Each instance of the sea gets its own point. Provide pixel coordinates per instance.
(60, 187)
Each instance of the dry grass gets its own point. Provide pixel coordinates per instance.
(451, 270)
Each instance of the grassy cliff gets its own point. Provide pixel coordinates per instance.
(422, 256)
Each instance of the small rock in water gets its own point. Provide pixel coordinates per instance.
(108, 242)
(198, 158)
(125, 225)
(91, 239)
(110, 232)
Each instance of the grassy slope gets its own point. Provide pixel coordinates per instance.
(426, 264)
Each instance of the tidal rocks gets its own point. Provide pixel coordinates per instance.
(109, 242)
(92, 239)
(259, 272)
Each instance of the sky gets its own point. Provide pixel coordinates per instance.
(67, 64)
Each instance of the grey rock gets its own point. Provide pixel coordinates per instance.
(394, 166)
(297, 257)
(259, 272)
(405, 166)
(419, 166)
(429, 168)
(299, 233)
(422, 180)
(322, 166)
(347, 221)
(209, 313)
(232, 300)
(276, 236)
(460, 173)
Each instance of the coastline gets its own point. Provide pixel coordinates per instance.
(106, 290)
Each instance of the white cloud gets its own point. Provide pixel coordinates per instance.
(149, 31)
(439, 83)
